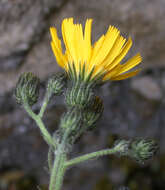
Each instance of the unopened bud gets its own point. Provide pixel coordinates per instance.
(56, 83)
(79, 95)
(27, 89)
(143, 149)
(71, 122)
(93, 113)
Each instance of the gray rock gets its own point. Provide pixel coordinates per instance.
(22, 24)
(147, 87)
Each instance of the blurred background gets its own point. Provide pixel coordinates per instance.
(133, 108)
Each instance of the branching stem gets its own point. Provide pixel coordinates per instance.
(90, 156)
(45, 103)
(46, 135)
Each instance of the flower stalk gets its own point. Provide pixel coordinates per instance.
(46, 135)
(91, 156)
(58, 168)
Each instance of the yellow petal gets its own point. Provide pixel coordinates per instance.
(63, 35)
(113, 72)
(61, 60)
(115, 50)
(122, 54)
(119, 69)
(126, 75)
(97, 70)
(132, 62)
(87, 40)
(55, 38)
(97, 47)
(68, 31)
(79, 42)
(108, 43)
(95, 51)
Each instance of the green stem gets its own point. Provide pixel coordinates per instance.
(93, 155)
(57, 173)
(46, 135)
(58, 169)
(50, 158)
(45, 103)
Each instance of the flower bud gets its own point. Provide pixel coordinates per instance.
(56, 83)
(79, 95)
(27, 89)
(71, 123)
(143, 149)
(93, 113)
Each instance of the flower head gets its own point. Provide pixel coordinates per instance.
(90, 62)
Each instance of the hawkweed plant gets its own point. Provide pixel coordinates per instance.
(86, 67)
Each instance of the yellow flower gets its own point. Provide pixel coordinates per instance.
(82, 59)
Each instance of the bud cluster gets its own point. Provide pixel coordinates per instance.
(76, 121)
(84, 110)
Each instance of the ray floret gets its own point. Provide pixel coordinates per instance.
(102, 60)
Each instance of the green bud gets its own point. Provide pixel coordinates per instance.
(71, 123)
(93, 113)
(79, 95)
(143, 149)
(27, 89)
(56, 83)
(122, 147)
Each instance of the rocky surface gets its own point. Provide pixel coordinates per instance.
(23, 25)
(147, 87)
(132, 108)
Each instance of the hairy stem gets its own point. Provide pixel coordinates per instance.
(50, 158)
(93, 155)
(45, 103)
(46, 135)
(58, 169)
(57, 173)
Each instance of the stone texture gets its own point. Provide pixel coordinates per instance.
(25, 46)
(147, 87)
(22, 26)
